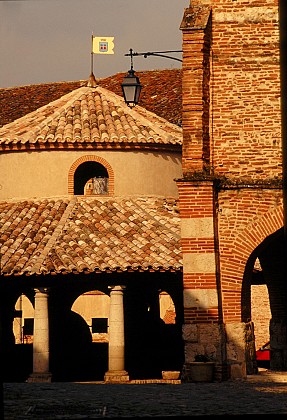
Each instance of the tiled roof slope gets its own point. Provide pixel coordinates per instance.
(161, 94)
(89, 234)
(89, 117)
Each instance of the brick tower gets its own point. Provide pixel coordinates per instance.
(230, 196)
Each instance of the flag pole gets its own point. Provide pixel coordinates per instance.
(92, 64)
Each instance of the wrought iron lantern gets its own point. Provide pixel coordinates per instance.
(131, 86)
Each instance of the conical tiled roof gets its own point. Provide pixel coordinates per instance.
(90, 117)
(161, 94)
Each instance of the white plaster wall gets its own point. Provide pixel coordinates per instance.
(45, 173)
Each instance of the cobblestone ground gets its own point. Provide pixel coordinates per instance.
(264, 395)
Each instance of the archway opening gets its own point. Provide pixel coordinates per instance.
(79, 337)
(264, 298)
(91, 178)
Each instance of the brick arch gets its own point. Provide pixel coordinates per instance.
(252, 236)
(91, 158)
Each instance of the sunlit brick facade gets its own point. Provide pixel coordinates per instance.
(231, 191)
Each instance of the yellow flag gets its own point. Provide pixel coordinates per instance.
(103, 45)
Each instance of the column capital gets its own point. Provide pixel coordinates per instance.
(43, 290)
(117, 287)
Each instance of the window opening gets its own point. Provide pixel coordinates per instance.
(91, 178)
(28, 330)
(99, 325)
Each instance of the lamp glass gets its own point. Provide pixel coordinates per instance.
(131, 88)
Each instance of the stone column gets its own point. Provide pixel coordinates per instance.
(116, 372)
(41, 338)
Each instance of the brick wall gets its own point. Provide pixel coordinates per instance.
(245, 82)
(232, 135)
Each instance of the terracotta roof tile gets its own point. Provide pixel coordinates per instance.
(94, 117)
(88, 234)
(161, 94)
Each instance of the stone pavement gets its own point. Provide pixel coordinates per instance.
(263, 394)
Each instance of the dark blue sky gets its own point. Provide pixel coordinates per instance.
(50, 40)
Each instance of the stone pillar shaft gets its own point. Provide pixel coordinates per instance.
(116, 372)
(41, 338)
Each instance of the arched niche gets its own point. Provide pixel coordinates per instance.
(91, 175)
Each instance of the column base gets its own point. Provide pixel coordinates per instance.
(40, 377)
(117, 376)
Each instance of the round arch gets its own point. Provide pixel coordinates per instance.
(264, 297)
(90, 158)
(252, 236)
(237, 269)
(237, 266)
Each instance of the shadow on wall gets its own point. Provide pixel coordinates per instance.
(73, 355)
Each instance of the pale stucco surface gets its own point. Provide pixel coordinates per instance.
(45, 173)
